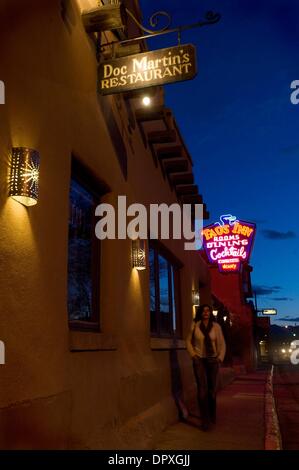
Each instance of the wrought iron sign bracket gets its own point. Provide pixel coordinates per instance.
(209, 19)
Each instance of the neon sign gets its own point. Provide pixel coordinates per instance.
(229, 242)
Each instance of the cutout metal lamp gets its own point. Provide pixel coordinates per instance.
(24, 175)
(138, 254)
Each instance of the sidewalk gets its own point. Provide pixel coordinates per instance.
(240, 420)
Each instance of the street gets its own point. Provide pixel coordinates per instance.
(286, 393)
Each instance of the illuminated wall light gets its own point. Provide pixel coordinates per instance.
(215, 313)
(24, 175)
(224, 318)
(146, 101)
(196, 298)
(138, 254)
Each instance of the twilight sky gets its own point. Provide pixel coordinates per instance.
(242, 130)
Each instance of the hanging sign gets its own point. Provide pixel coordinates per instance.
(173, 64)
(228, 243)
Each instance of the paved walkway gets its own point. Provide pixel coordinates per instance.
(240, 420)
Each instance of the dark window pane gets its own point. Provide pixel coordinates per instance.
(165, 311)
(80, 253)
(163, 285)
(153, 318)
(163, 295)
(152, 280)
(173, 299)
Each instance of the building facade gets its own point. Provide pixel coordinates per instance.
(237, 314)
(94, 349)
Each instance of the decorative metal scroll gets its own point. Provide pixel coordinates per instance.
(153, 21)
(210, 18)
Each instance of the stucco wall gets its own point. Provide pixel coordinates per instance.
(63, 389)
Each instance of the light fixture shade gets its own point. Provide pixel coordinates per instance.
(24, 175)
(138, 254)
(196, 298)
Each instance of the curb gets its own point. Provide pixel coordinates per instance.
(272, 431)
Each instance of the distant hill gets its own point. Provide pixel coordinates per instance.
(280, 333)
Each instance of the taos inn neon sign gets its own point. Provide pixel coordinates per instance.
(173, 64)
(229, 242)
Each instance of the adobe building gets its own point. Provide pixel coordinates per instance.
(94, 348)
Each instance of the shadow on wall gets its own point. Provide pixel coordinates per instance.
(177, 384)
(68, 14)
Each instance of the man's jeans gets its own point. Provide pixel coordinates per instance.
(206, 372)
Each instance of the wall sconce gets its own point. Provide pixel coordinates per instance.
(138, 254)
(196, 298)
(24, 174)
(215, 313)
(146, 100)
(104, 18)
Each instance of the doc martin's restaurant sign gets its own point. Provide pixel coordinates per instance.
(228, 243)
(174, 64)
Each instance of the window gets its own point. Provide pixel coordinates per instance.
(164, 293)
(83, 252)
